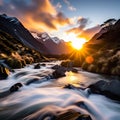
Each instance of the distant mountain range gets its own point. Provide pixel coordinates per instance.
(54, 45)
(42, 42)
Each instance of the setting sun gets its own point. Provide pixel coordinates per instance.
(78, 44)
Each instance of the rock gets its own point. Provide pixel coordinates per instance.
(109, 89)
(68, 115)
(60, 72)
(56, 67)
(4, 72)
(66, 68)
(15, 87)
(14, 63)
(84, 117)
(37, 66)
(69, 86)
(74, 70)
(43, 64)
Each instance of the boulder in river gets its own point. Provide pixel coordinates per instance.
(66, 68)
(16, 87)
(37, 66)
(60, 72)
(109, 89)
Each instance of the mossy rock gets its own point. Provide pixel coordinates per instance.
(28, 60)
(14, 63)
(4, 72)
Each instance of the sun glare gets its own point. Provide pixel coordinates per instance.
(78, 43)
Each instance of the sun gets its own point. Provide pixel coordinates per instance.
(78, 43)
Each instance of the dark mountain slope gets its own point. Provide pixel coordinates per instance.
(15, 28)
(105, 51)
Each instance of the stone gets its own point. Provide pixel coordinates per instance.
(15, 87)
(84, 117)
(109, 89)
(60, 72)
(37, 66)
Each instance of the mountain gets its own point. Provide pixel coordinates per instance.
(15, 28)
(54, 45)
(104, 51)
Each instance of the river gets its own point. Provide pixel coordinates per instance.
(39, 99)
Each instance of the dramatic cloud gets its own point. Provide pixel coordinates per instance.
(89, 33)
(70, 7)
(81, 32)
(39, 15)
(82, 22)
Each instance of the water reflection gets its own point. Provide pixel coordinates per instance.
(71, 77)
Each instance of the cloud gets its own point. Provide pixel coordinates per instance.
(82, 22)
(90, 32)
(81, 32)
(70, 7)
(58, 5)
(39, 15)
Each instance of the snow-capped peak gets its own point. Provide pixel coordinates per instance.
(56, 40)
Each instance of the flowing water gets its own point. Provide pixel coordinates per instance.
(41, 97)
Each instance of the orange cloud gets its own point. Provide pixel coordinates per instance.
(81, 31)
(38, 15)
(82, 22)
(89, 33)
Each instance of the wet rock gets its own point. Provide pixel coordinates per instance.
(37, 66)
(74, 70)
(15, 87)
(4, 72)
(69, 86)
(43, 64)
(56, 67)
(60, 72)
(68, 115)
(84, 117)
(66, 68)
(109, 89)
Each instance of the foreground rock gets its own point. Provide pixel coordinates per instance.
(55, 113)
(15, 87)
(110, 89)
(37, 66)
(60, 71)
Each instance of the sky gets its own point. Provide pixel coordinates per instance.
(62, 18)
